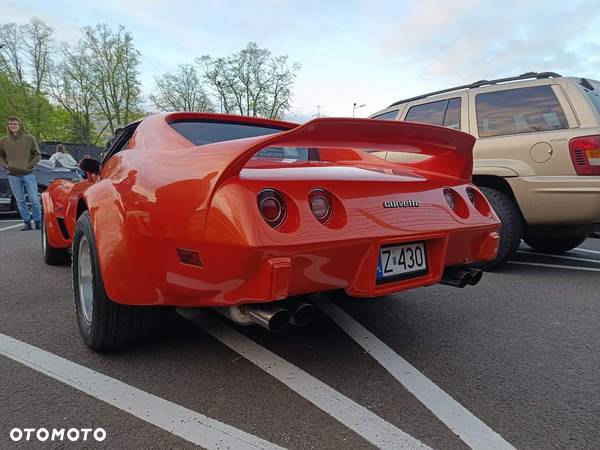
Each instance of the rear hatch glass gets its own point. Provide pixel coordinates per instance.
(593, 95)
(202, 132)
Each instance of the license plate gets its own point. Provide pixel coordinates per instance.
(401, 261)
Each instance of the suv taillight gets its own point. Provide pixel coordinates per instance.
(585, 154)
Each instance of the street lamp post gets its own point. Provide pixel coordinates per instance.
(355, 107)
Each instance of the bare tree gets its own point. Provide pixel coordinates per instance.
(181, 91)
(11, 68)
(251, 82)
(72, 87)
(11, 41)
(279, 86)
(37, 44)
(113, 61)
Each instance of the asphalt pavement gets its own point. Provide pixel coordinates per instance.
(511, 362)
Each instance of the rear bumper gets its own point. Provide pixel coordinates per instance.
(5, 203)
(241, 259)
(254, 275)
(558, 200)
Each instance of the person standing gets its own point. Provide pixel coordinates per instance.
(19, 153)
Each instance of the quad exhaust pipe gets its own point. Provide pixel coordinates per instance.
(270, 317)
(301, 313)
(274, 317)
(460, 277)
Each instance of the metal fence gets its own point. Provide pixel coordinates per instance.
(75, 150)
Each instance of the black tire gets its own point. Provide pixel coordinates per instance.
(52, 256)
(511, 230)
(111, 326)
(555, 244)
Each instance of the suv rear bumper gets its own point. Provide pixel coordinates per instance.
(558, 200)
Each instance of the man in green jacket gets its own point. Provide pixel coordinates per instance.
(19, 153)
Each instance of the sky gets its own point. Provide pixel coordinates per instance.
(363, 52)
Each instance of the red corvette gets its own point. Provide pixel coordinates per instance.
(240, 213)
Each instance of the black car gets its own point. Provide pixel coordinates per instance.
(44, 173)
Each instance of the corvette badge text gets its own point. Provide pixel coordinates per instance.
(57, 434)
(402, 204)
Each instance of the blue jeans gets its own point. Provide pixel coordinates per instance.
(26, 183)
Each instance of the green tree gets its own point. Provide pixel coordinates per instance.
(14, 98)
(21, 100)
(72, 87)
(25, 60)
(83, 91)
(113, 62)
(181, 91)
(251, 82)
(37, 43)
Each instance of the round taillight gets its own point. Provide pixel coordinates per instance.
(271, 207)
(449, 196)
(479, 201)
(471, 195)
(320, 205)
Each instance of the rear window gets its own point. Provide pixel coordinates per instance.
(286, 153)
(594, 95)
(445, 113)
(390, 115)
(521, 110)
(202, 132)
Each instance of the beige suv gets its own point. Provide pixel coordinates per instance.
(537, 154)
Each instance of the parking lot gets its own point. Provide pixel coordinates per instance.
(511, 362)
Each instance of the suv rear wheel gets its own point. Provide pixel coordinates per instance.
(554, 244)
(511, 230)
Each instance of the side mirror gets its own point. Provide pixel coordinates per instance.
(90, 165)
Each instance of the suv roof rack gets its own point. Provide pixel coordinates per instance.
(523, 76)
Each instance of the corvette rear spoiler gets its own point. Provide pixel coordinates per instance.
(450, 151)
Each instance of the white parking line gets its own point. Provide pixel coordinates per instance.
(356, 417)
(189, 425)
(587, 250)
(11, 227)
(467, 426)
(572, 258)
(555, 266)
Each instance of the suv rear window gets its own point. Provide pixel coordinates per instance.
(202, 132)
(594, 95)
(445, 113)
(521, 110)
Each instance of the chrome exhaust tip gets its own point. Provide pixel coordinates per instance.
(272, 318)
(301, 313)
